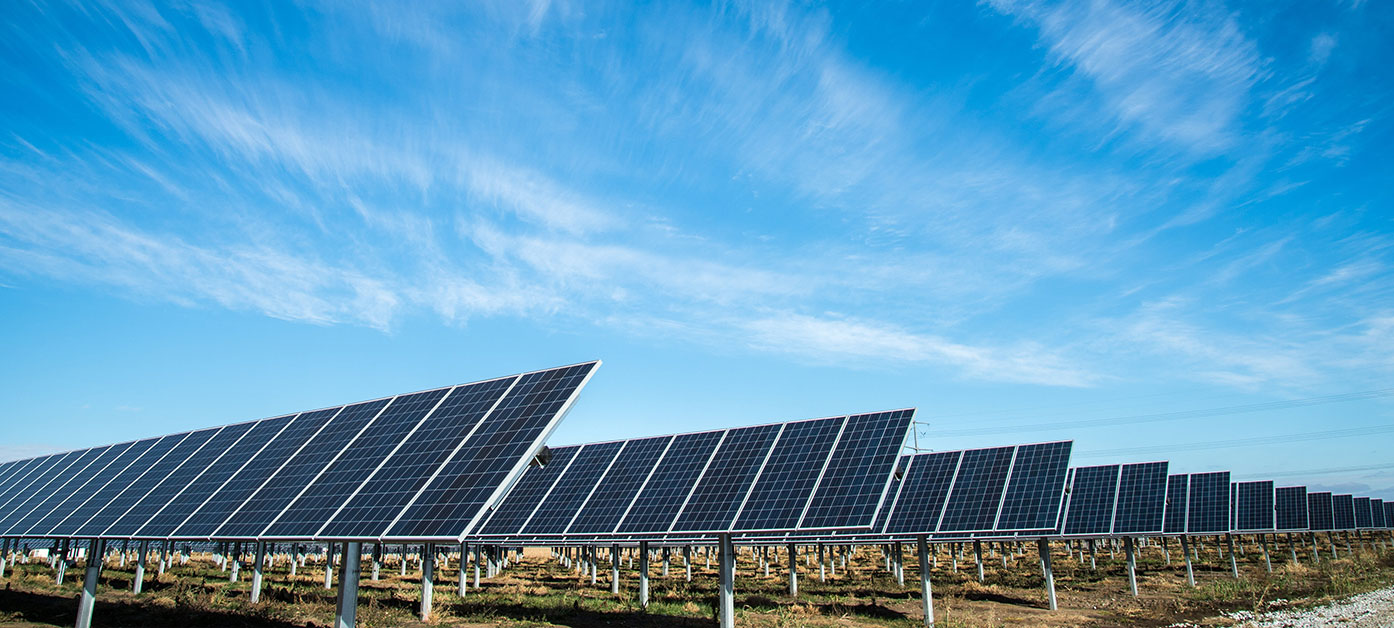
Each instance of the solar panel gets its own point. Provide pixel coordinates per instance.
(923, 491)
(1141, 502)
(977, 491)
(1034, 491)
(883, 516)
(342, 477)
(30, 487)
(1178, 488)
(856, 477)
(1389, 514)
(1254, 506)
(555, 512)
(1377, 513)
(1363, 519)
(522, 501)
(718, 494)
(379, 501)
(1093, 496)
(82, 496)
(26, 472)
(1208, 507)
(176, 480)
(147, 481)
(612, 496)
(80, 521)
(19, 523)
(1343, 512)
(661, 497)
(787, 480)
(209, 481)
(1319, 512)
(1290, 508)
(481, 469)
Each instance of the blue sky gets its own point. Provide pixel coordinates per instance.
(1033, 221)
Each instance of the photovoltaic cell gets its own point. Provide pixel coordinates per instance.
(38, 472)
(1093, 495)
(1208, 508)
(147, 481)
(253, 473)
(1141, 498)
(787, 480)
(479, 470)
(1290, 508)
(1178, 486)
(859, 471)
(210, 480)
(24, 473)
(923, 491)
(1389, 514)
(661, 497)
(620, 485)
(175, 483)
(1255, 506)
(555, 512)
(1343, 512)
(718, 494)
(1319, 513)
(387, 493)
(1362, 513)
(883, 516)
(80, 522)
(322, 498)
(518, 506)
(977, 490)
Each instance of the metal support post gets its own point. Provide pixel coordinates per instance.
(346, 602)
(478, 557)
(377, 560)
(978, 555)
(822, 563)
(88, 602)
(139, 581)
(1267, 562)
(1043, 548)
(463, 585)
(1233, 564)
(643, 574)
(666, 552)
(1132, 564)
(793, 572)
(329, 566)
(428, 572)
(1093, 558)
(926, 592)
(1186, 552)
(899, 564)
(62, 562)
(726, 598)
(590, 555)
(615, 569)
(687, 562)
(258, 569)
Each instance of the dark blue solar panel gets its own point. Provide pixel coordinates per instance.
(1343, 512)
(1389, 514)
(859, 471)
(883, 516)
(557, 510)
(151, 477)
(1290, 508)
(24, 472)
(718, 494)
(21, 523)
(923, 491)
(482, 467)
(79, 507)
(313, 508)
(1208, 511)
(93, 517)
(658, 502)
(1254, 502)
(1035, 488)
(210, 480)
(37, 488)
(253, 517)
(175, 482)
(1319, 513)
(1363, 519)
(1377, 513)
(253, 473)
(785, 485)
(620, 485)
(1141, 498)
(1178, 486)
(38, 473)
(8, 469)
(977, 491)
(1233, 509)
(388, 492)
(1093, 495)
(522, 500)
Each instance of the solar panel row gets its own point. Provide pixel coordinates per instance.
(420, 466)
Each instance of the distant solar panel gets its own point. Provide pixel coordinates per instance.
(1363, 517)
(555, 512)
(657, 504)
(1377, 513)
(99, 490)
(1178, 490)
(1093, 495)
(1254, 503)
(1389, 514)
(169, 487)
(146, 481)
(617, 490)
(1290, 508)
(1036, 487)
(42, 483)
(1141, 498)
(977, 491)
(1208, 507)
(1343, 512)
(1319, 511)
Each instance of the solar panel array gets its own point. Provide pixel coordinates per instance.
(420, 466)
(817, 474)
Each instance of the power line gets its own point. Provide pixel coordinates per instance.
(1173, 416)
(1331, 470)
(1241, 442)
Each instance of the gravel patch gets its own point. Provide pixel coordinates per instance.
(1367, 610)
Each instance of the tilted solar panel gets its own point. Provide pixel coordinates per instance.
(74, 511)
(883, 516)
(856, 477)
(617, 490)
(555, 512)
(1178, 489)
(34, 472)
(163, 493)
(1093, 495)
(1363, 518)
(1208, 503)
(38, 480)
(1319, 512)
(148, 479)
(1233, 508)
(1377, 513)
(515, 509)
(718, 494)
(1141, 498)
(786, 483)
(19, 523)
(1255, 506)
(924, 489)
(1036, 487)
(657, 504)
(1343, 512)
(977, 491)
(1389, 514)
(1290, 508)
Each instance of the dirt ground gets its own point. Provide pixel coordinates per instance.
(538, 591)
